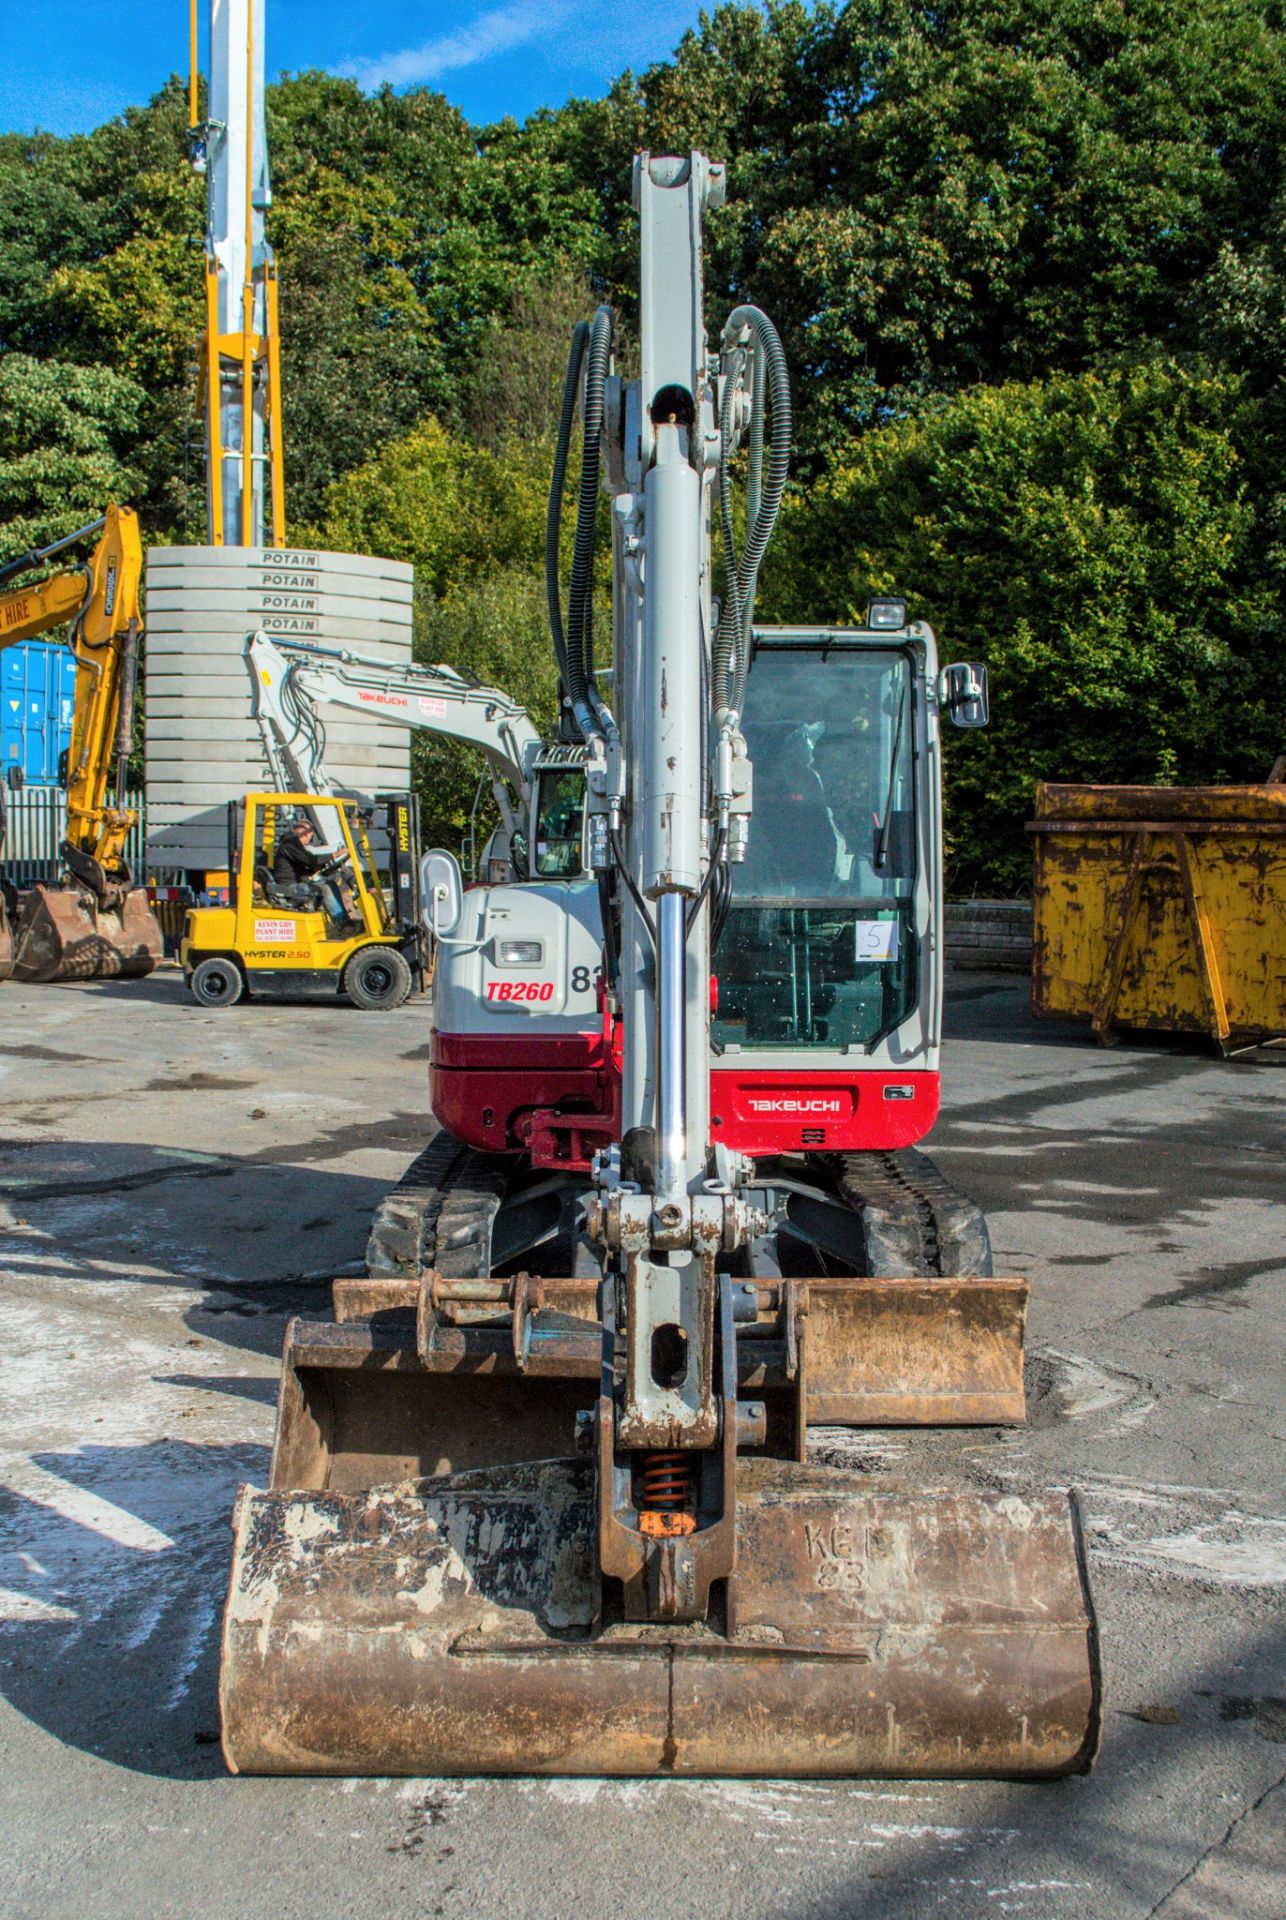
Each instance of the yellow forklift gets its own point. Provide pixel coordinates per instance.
(342, 932)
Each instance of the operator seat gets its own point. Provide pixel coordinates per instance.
(277, 895)
(792, 838)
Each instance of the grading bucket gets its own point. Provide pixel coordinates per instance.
(419, 1591)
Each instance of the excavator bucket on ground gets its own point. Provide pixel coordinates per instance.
(62, 933)
(418, 1591)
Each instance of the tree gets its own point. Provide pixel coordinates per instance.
(1092, 539)
(65, 433)
(926, 197)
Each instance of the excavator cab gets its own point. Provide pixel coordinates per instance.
(348, 931)
(817, 957)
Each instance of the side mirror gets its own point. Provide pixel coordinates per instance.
(962, 690)
(441, 893)
(15, 779)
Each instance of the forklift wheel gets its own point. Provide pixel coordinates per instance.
(377, 978)
(217, 983)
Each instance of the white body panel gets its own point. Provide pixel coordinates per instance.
(476, 990)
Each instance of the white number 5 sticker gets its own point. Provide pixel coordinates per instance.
(877, 939)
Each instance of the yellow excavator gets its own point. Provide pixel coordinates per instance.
(95, 923)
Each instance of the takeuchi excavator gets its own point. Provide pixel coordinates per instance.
(548, 1492)
(96, 923)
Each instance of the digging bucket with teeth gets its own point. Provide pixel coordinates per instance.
(65, 933)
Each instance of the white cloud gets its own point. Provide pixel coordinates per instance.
(496, 31)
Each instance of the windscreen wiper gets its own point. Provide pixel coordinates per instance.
(882, 844)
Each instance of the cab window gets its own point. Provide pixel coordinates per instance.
(560, 824)
(819, 947)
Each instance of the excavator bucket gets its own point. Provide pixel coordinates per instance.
(418, 1590)
(6, 942)
(63, 934)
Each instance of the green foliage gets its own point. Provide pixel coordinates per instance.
(64, 434)
(1092, 539)
(1028, 258)
(930, 196)
(450, 508)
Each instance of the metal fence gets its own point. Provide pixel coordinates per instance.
(38, 827)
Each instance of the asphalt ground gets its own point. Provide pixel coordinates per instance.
(174, 1182)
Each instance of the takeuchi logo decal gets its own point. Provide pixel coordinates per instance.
(819, 1105)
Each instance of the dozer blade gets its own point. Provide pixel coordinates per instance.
(447, 1626)
(62, 934)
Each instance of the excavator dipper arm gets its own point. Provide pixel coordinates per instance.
(290, 680)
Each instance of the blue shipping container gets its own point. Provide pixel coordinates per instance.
(37, 689)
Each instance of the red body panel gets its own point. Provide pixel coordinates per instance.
(860, 1110)
(559, 1098)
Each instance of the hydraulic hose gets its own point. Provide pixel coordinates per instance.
(606, 909)
(732, 645)
(727, 637)
(580, 621)
(717, 860)
(554, 512)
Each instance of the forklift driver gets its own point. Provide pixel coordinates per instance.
(296, 865)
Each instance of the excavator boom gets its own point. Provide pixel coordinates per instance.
(291, 679)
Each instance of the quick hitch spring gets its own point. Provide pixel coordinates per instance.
(666, 1494)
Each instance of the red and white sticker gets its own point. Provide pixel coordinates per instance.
(273, 931)
(431, 707)
(524, 990)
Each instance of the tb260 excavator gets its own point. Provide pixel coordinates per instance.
(96, 924)
(542, 1498)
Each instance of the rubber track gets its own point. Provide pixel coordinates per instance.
(466, 1216)
(914, 1220)
(404, 1234)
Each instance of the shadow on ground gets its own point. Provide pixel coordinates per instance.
(259, 1235)
(115, 1562)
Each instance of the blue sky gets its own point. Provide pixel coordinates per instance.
(71, 64)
